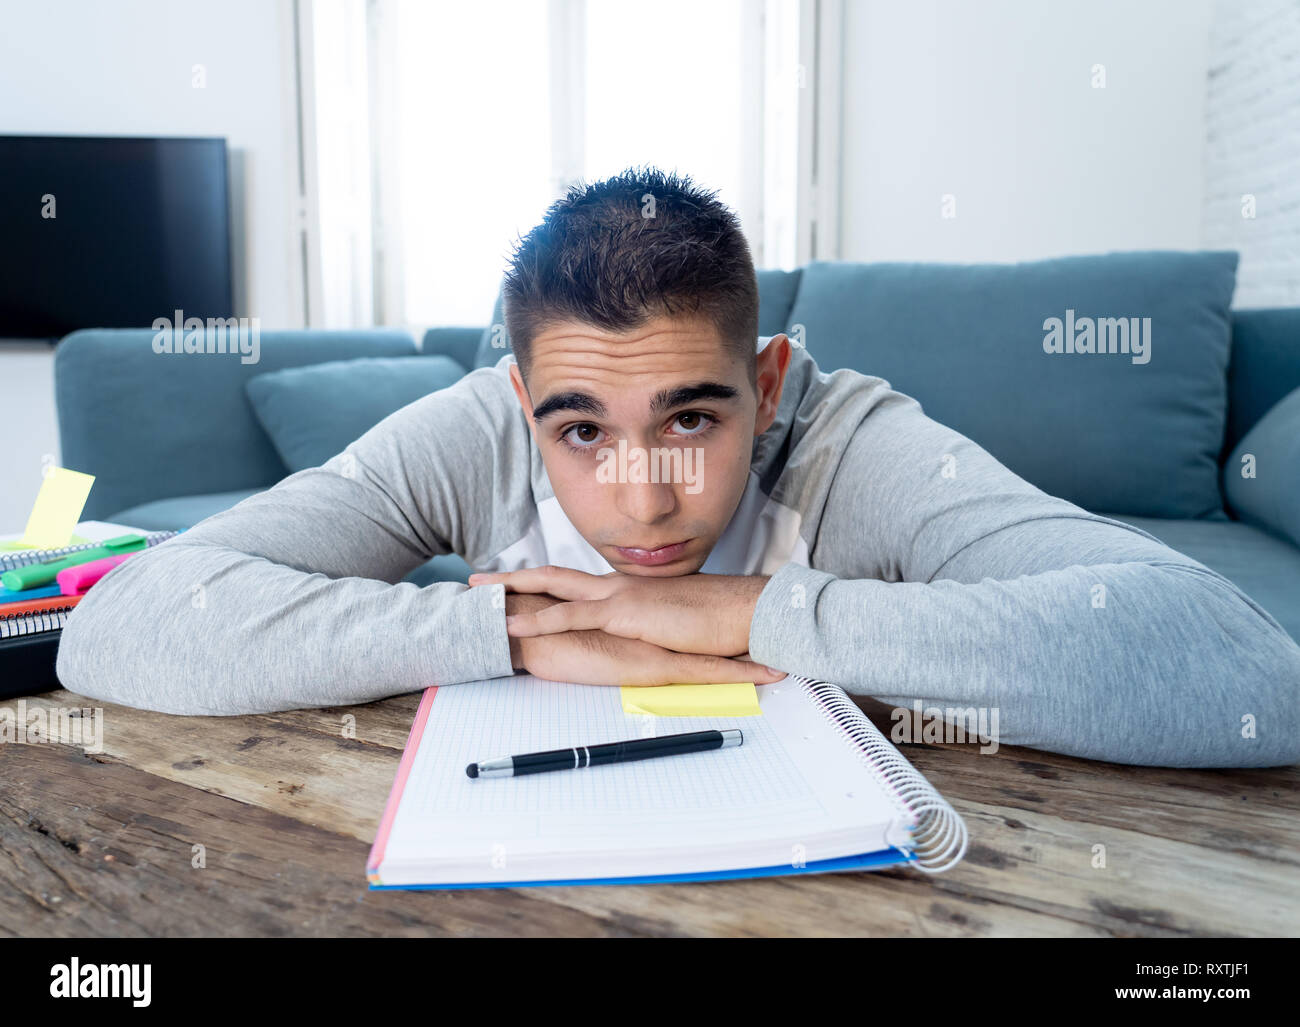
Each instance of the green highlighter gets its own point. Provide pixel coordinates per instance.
(34, 575)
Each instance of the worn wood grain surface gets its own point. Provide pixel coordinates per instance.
(284, 808)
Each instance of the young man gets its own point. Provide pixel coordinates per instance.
(667, 502)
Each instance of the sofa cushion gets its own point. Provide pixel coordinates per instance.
(152, 424)
(448, 567)
(312, 413)
(1265, 365)
(180, 512)
(1262, 476)
(1138, 432)
(1263, 566)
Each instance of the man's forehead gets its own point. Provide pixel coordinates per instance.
(648, 354)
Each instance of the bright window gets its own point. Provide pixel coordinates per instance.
(481, 114)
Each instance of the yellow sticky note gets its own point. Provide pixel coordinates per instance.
(738, 699)
(58, 508)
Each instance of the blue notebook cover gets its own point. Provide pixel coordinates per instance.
(866, 861)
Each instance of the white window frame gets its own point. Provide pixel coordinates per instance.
(817, 194)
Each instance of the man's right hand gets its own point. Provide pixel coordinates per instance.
(596, 658)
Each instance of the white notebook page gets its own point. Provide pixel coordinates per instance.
(796, 781)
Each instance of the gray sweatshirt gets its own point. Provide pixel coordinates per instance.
(906, 564)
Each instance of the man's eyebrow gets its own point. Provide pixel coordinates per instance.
(665, 399)
(581, 402)
(669, 399)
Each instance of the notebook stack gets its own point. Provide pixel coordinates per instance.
(36, 599)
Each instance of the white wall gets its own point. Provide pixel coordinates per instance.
(1252, 162)
(992, 102)
(82, 67)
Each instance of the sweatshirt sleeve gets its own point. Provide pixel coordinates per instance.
(293, 598)
(939, 575)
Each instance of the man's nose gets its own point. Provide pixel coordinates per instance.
(646, 502)
(640, 497)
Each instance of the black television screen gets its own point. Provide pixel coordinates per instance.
(101, 232)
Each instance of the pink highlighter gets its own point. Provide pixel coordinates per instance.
(75, 580)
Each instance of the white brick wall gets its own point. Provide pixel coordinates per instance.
(1252, 121)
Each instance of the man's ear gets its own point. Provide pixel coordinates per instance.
(521, 394)
(773, 362)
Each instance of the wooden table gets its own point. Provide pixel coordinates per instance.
(285, 807)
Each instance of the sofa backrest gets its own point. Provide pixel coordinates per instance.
(153, 425)
(190, 428)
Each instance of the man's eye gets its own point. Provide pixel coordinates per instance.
(694, 422)
(581, 436)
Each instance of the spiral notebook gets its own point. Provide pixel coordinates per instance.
(814, 788)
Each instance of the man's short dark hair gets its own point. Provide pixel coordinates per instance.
(617, 253)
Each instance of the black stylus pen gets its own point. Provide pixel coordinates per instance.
(611, 752)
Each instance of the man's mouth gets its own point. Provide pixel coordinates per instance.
(652, 557)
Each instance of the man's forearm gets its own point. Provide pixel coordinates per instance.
(294, 597)
(195, 628)
(1175, 669)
